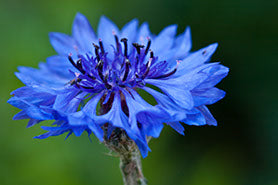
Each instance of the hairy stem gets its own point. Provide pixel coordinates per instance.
(130, 158)
(131, 167)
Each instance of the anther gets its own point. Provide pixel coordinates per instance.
(127, 64)
(148, 46)
(71, 60)
(138, 47)
(101, 47)
(96, 51)
(117, 42)
(78, 65)
(167, 74)
(75, 81)
(124, 40)
(151, 54)
(99, 68)
(85, 87)
(148, 68)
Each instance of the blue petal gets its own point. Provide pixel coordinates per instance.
(78, 131)
(80, 119)
(33, 122)
(90, 108)
(143, 148)
(176, 90)
(207, 97)
(21, 115)
(31, 110)
(177, 127)
(43, 76)
(208, 116)
(129, 31)
(83, 33)
(151, 126)
(69, 102)
(62, 43)
(215, 74)
(185, 44)
(197, 119)
(97, 130)
(116, 116)
(53, 131)
(61, 65)
(146, 113)
(175, 112)
(196, 58)
(164, 41)
(37, 113)
(33, 96)
(143, 34)
(150, 117)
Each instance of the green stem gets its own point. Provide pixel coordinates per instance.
(130, 158)
(131, 167)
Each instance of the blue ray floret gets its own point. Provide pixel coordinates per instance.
(93, 84)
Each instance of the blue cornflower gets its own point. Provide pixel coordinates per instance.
(94, 81)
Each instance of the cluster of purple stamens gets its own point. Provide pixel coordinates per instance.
(124, 70)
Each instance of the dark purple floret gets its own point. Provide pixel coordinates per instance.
(134, 68)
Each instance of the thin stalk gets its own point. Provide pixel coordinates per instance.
(131, 167)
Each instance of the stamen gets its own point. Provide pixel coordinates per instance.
(117, 42)
(166, 75)
(99, 68)
(101, 47)
(92, 77)
(86, 87)
(78, 66)
(152, 55)
(148, 68)
(138, 47)
(148, 46)
(170, 73)
(96, 51)
(71, 60)
(75, 81)
(124, 40)
(108, 86)
(127, 64)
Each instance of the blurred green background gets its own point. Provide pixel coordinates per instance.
(242, 150)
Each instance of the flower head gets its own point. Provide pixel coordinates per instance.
(94, 81)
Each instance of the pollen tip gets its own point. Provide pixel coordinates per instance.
(77, 74)
(123, 39)
(96, 46)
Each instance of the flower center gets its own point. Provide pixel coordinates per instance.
(125, 69)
